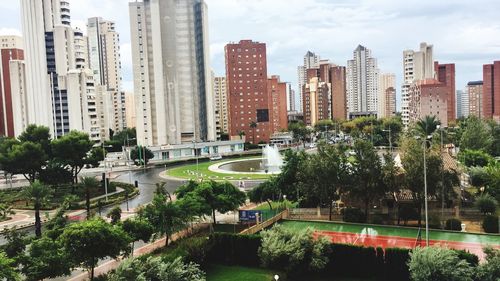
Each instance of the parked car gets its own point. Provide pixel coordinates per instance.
(215, 157)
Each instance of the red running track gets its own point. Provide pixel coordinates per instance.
(397, 242)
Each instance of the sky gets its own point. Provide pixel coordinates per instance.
(463, 32)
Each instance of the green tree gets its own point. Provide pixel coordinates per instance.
(16, 243)
(216, 196)
(427, 125)
(137, 155)
(300, 131)
(46, 259)
(38, 194)
(88, 241)
(54, 173)
(367, 175)
(474, 158)
(437, 264)
(295, 251)
(478, 177)
(253, 125)
(489, 270)
(5, 210)
(138, 229)
(115, 214)
(157, 269)
(37, 134)
(96, 155)
(413, 165)
(486, 204)
(495, 135)
(476, 135)
(493, 175)
(288, 180)
(88, 183)
(25, 158)
(7, 269)
(72, 150)
(265, 192)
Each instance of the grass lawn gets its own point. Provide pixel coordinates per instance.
(276, 205)
(230, 273)
(188, 171)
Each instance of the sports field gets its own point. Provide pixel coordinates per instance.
(391, 237)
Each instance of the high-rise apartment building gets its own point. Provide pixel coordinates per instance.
(338, 88)
(130, 112)
(246, 83)
(311, 60)
(387, 95)
(277, 92)
(104, 61)
(445, 73)
(362, 83)
(474, 97)
(290, 98)
(462, 104)
(11, 66)
(55, 56)
(491, 90)
(417, 65)
(221, 112)
(428, 97)
(172, 81)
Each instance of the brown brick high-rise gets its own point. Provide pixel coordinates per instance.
(445, 73)
(491, 90)
(248, 99)
(6, 111)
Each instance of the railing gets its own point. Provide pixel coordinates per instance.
(266, 223)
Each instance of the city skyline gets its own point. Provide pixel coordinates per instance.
(459, 37)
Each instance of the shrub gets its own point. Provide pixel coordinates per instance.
(396, 264)
(489, 270)
(468, 257)
(434, 221)
(353, 215)
(436, 264)
(377, 219)
(407, 212)
(345, 260)
(486, 204)
(227, 248)
(490, 224)
(453, 224)
(295, 252)
(474, 158)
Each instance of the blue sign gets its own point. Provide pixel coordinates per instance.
(249, 215)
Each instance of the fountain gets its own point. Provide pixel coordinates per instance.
(271, 159)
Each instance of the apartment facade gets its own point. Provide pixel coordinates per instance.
(475, 98)
(172, 81)
(248, 99)
(277, 92)
(428, 97)
(221, 110)
(491, 90)
(362, 83)
(417, 65)
(387, 96)
(310, 61)
(11, 72)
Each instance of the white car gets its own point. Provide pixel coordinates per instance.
(215, 157)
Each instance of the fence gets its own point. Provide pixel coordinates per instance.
(266, 223)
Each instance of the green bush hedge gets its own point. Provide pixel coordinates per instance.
(453, 224)
(353, 215)
(395, 266)
(490, 224)
(234, 249)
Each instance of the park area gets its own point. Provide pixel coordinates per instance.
(201, 170)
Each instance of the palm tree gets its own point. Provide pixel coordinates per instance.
(5, 210)
(39, 194)
(253, 125)
(162, 189)
(427, 125)
(88, 183)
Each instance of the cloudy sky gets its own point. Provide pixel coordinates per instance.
(463, 32)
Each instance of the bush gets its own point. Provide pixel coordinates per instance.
(474, 158)
(486, 204)
(434, 221)
(407, 212)
(490, 224)
(346, 259)
(436, 263)
(490, 270)
(297, 252)
(396, 264)
(453, 224)
(353, 215)
(468, 257)
(377, 219)
(227, 248)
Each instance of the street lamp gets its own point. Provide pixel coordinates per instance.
(127, 154)
(442, 172)
(276, 277)
(104, 163)
(196, 157)
(424, 144)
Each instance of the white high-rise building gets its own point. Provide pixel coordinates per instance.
(221, 110)
(311, 60)
(417, 65)
(362, 83)
(462, 99)
(386, 81)
(104, 61)
(56, 79)
(172, 87)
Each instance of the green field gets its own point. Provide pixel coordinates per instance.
(276, 205)
(188, 172)
(230, 273)
(392, 231)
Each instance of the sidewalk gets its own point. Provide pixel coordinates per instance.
(26, 218)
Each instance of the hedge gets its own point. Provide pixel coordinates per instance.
(353, 215)
(396, 267)
(453, 224)
(234, 249)
(490, 224)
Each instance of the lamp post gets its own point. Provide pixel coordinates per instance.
(104, 163)
(442, 172)
(127, 154)
(196, 157)
(424, 145)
